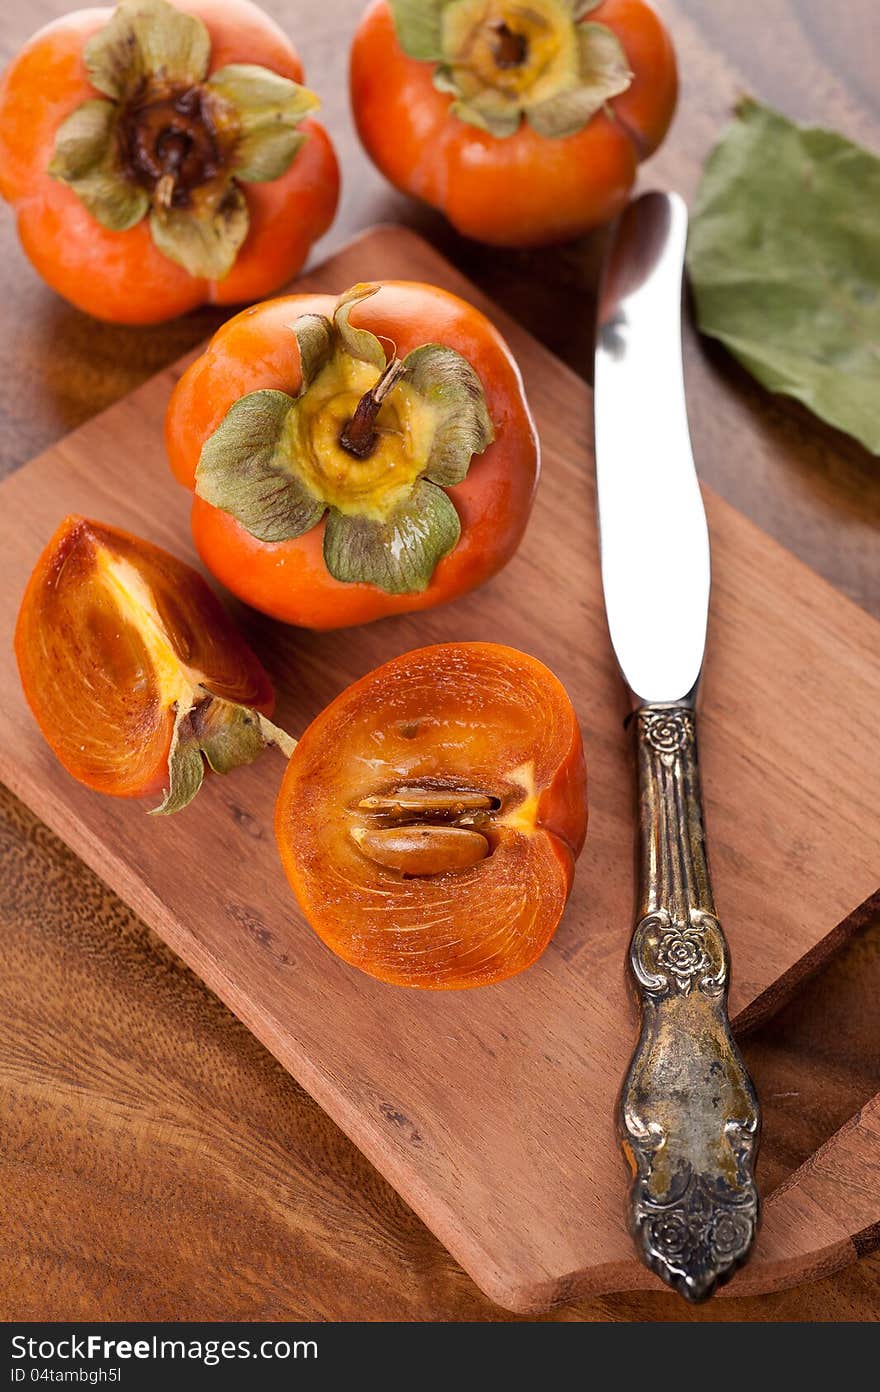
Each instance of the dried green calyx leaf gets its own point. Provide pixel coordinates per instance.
(398, 553)
(204, 239)
(315, 339)
(245, 469)
(368, 443)
(506, 60)
(146, 40)
(784, 261)
(357, 343)
(268, 111)
(603, 73)
(419, 27)
(221, 733)
(169, 144)
(463, 428)
(86, 158)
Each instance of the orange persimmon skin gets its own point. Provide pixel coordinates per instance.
(86, 670)
(470, 714)
(522, 189)
(122, 276)
(289, 580)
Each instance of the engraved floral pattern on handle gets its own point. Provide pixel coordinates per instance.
(682, 953)
(668, 730)
(676, 954)
(689, 1118)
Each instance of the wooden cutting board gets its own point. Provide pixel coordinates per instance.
(492, 1110)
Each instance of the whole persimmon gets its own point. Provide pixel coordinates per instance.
(356, 458)
(134, 671)
(430, 817)
(161, 155)
(524, 121)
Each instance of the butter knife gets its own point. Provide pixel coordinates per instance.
(688, 1117)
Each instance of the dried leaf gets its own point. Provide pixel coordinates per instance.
(446, 380)
(604, 73)
(268, 109)
(146, 38)
(83, 140)
(230, 735)
(360, 343)
(186, 768)
(314, 334)
(784, 260)
(223, 733)
(243, 469)
(205, 238)
(273, 734)
(85, 159)
(399, 554)
(418, 24)
(498, 121)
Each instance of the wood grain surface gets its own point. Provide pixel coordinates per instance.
(516, 1169)
(93, 1064)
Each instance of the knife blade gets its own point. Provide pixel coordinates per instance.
(688, 1117)
(655, 542)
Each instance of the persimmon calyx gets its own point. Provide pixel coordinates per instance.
(507, 60)
(417, 829)
(219, 732)
(168, 143)
(369, 444)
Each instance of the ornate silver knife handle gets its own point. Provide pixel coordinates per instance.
(688, 1113)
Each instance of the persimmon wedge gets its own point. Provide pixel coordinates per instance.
(430, 818)
(134, 672)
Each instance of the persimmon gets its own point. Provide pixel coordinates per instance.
(160, 155)
(524, 121)
(357, 458)
(430, 817)
(134, 672)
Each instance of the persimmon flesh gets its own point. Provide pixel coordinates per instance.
(430, 817)
(128, 662)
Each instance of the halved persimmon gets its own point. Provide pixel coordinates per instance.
(134, 671)
(430, 817)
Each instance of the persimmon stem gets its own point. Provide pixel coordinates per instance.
(359, 435)
(164, 191)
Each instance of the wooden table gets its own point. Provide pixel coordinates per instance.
(155, 1162)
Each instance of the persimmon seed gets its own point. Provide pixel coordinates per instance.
(422, 850)
(411, 801)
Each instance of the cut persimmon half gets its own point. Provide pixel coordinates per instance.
(430, 817)
(135, 673)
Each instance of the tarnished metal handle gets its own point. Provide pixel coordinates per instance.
(689, 1116)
